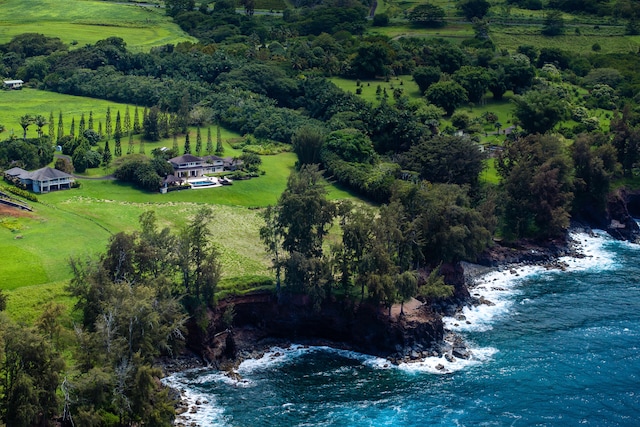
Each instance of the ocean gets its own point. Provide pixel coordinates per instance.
(558, 347)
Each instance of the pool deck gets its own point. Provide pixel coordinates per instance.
(213, 180)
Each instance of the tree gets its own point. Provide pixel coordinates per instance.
(127, 121)
(427, 15)
(553, 23)
(539, 111)
(473, 8)
(475, 80)
(150, 125)
(306, 269)
(187, 144)
(130, 144)
(371, 60)
(40, 121)
(271, 236)
(537, 182)
(106, 154)
(426, 76)
(52, 128)
(26, 121)
(137, 129)
(446, 159)
(219, 147)
(174, 7)
(209, 148)
(626, 140)
(90, 124)
(72, 129)
(199, 258)
(117, 136)
(307, 143)
(447, 94)
(198, 142)
(82, 126)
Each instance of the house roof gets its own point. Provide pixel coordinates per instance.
(212, 159)
(187, 158)
(170, 179)
(12, 82)
(16, 172)
(46, 174)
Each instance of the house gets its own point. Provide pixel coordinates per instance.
(189, 166)
(13, 84)
(42, 180)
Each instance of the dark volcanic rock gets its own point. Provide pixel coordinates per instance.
(621, 224)
(261, 321)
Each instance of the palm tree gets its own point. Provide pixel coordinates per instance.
(40, 121)
(25, 122)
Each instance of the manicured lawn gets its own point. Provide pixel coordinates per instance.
(16, 103)
(85, 22)
(369, 87)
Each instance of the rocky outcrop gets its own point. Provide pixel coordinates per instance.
(262, 321)
(619, 221)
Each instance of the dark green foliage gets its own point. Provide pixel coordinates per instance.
(537, 183)
(426, 76)
(29, 154)
(351, 145)
(106, 154)
(427, 15)
(174, 7)
(539, 111)
(446, 159)
(626, 140)
(475, 80)
(79, 159)
(30, 371)
(595, 164)
(307, 144)
(380, 20)
(447, 94)
(140, 171)
(553, 23)
(473, 8)
(33, 44)
(371, 60)
(151, 132)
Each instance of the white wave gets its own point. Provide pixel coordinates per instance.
(278, 356)
(498, 288)
(202, 408)
(442, 365)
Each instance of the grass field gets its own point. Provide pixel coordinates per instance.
(84, 21)
(369, 87)
(16, 103)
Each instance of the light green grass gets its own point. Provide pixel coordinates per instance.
(369, 87)
(16, 103)
(86, 22)
(511, 37)
(490, 173)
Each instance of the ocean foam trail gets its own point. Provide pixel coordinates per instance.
(593, 247)
(499, 287)
(440, 365)
(278, 356)
(207, 413)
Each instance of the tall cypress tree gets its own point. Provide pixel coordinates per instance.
(130, 146)
(60, 127)
(52, 127)
(82, 125)
(108, 129)
(106, 155)
(175, 142)
(72, 131)
(117, 136)
(209, 142)
(100, 128)
(187, 144)
(127, 121)
(136, 122)
(90, 124)
(219, 147)
(198, 141)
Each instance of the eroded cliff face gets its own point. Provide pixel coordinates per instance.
(261, 321)
(619, 222)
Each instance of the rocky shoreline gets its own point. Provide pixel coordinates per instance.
(254, 337)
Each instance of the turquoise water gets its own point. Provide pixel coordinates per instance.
(557, 348)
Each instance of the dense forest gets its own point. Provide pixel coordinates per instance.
(418, 159)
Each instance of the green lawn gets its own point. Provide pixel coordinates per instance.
(85, 22)
(369, 87)
(16, 103)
